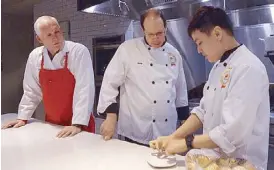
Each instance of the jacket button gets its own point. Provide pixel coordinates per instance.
(155, 101)
(151, 64)
(225, 64)
(166, 120)
(215, 89)
(153, 82)
(149, 48)
(207, 87)
(153, 120)
(166, 64)
(50, 81)
(163, 49)
(168, 101)
(166, 82)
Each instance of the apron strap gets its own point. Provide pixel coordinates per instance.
(66, 60)
(42, 62)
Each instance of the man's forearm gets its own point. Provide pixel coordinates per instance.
(203, 141)
(191, 125)
(112, 116)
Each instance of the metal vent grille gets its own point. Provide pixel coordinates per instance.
(162, 2)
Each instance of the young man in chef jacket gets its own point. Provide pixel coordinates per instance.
(61, 73)
(234, 110)
(153, 91)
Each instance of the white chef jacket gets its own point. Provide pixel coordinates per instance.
(152, 85)
(235, 109)
(79, 64)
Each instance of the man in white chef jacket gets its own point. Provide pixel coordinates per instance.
(61, 73)
(153, 92)
(235, 109)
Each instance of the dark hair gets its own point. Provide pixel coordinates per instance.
(155, 12)
(207, 17)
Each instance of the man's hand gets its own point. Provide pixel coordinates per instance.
(159, 143)
(175, 146)
(15, 124)
(69, 131)
(107, 128)
(169, 144)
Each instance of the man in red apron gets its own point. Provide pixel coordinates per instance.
(61, 74)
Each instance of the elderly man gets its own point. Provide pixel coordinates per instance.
(61, 73)
(153, 92)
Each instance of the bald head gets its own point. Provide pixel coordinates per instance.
(44, 21)
(154, 27)
(152, 15)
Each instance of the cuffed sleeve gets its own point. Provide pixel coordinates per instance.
(199, 111)
(183, 113)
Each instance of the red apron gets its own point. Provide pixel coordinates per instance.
(57, 89)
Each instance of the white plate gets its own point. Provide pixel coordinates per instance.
(159, 160)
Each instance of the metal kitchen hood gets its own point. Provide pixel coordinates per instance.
(171, 8)
(106, 7)
(252, 19)
(134, 8)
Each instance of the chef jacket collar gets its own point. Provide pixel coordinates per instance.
(149, 47)
(228, 53)
(62, 52)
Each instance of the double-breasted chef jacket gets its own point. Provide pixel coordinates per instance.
(152, 90)
(235, 109)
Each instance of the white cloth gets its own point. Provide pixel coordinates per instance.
(79, 64)
(152, 85)
(235, 108)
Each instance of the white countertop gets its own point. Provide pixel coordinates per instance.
(35, 147)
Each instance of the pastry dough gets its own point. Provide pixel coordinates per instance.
(238, 168)
(203, 161)
(212, 166)
(200, 161)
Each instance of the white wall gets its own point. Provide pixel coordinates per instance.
(83, 26)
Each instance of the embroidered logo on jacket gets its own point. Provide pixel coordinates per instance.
(172, 59)
(225, 77)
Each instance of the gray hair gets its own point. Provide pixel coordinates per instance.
(43, 20)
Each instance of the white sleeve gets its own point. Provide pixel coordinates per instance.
(199, 111)
(181, 101)
(32, 91)
(113, 78)
(181, 87)
(247, 87)
(84, 91)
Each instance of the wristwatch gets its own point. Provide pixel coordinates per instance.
(189, 139)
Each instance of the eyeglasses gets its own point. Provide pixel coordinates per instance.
(158, 34)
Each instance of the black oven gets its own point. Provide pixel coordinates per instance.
(104, 49)
(102, 57)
